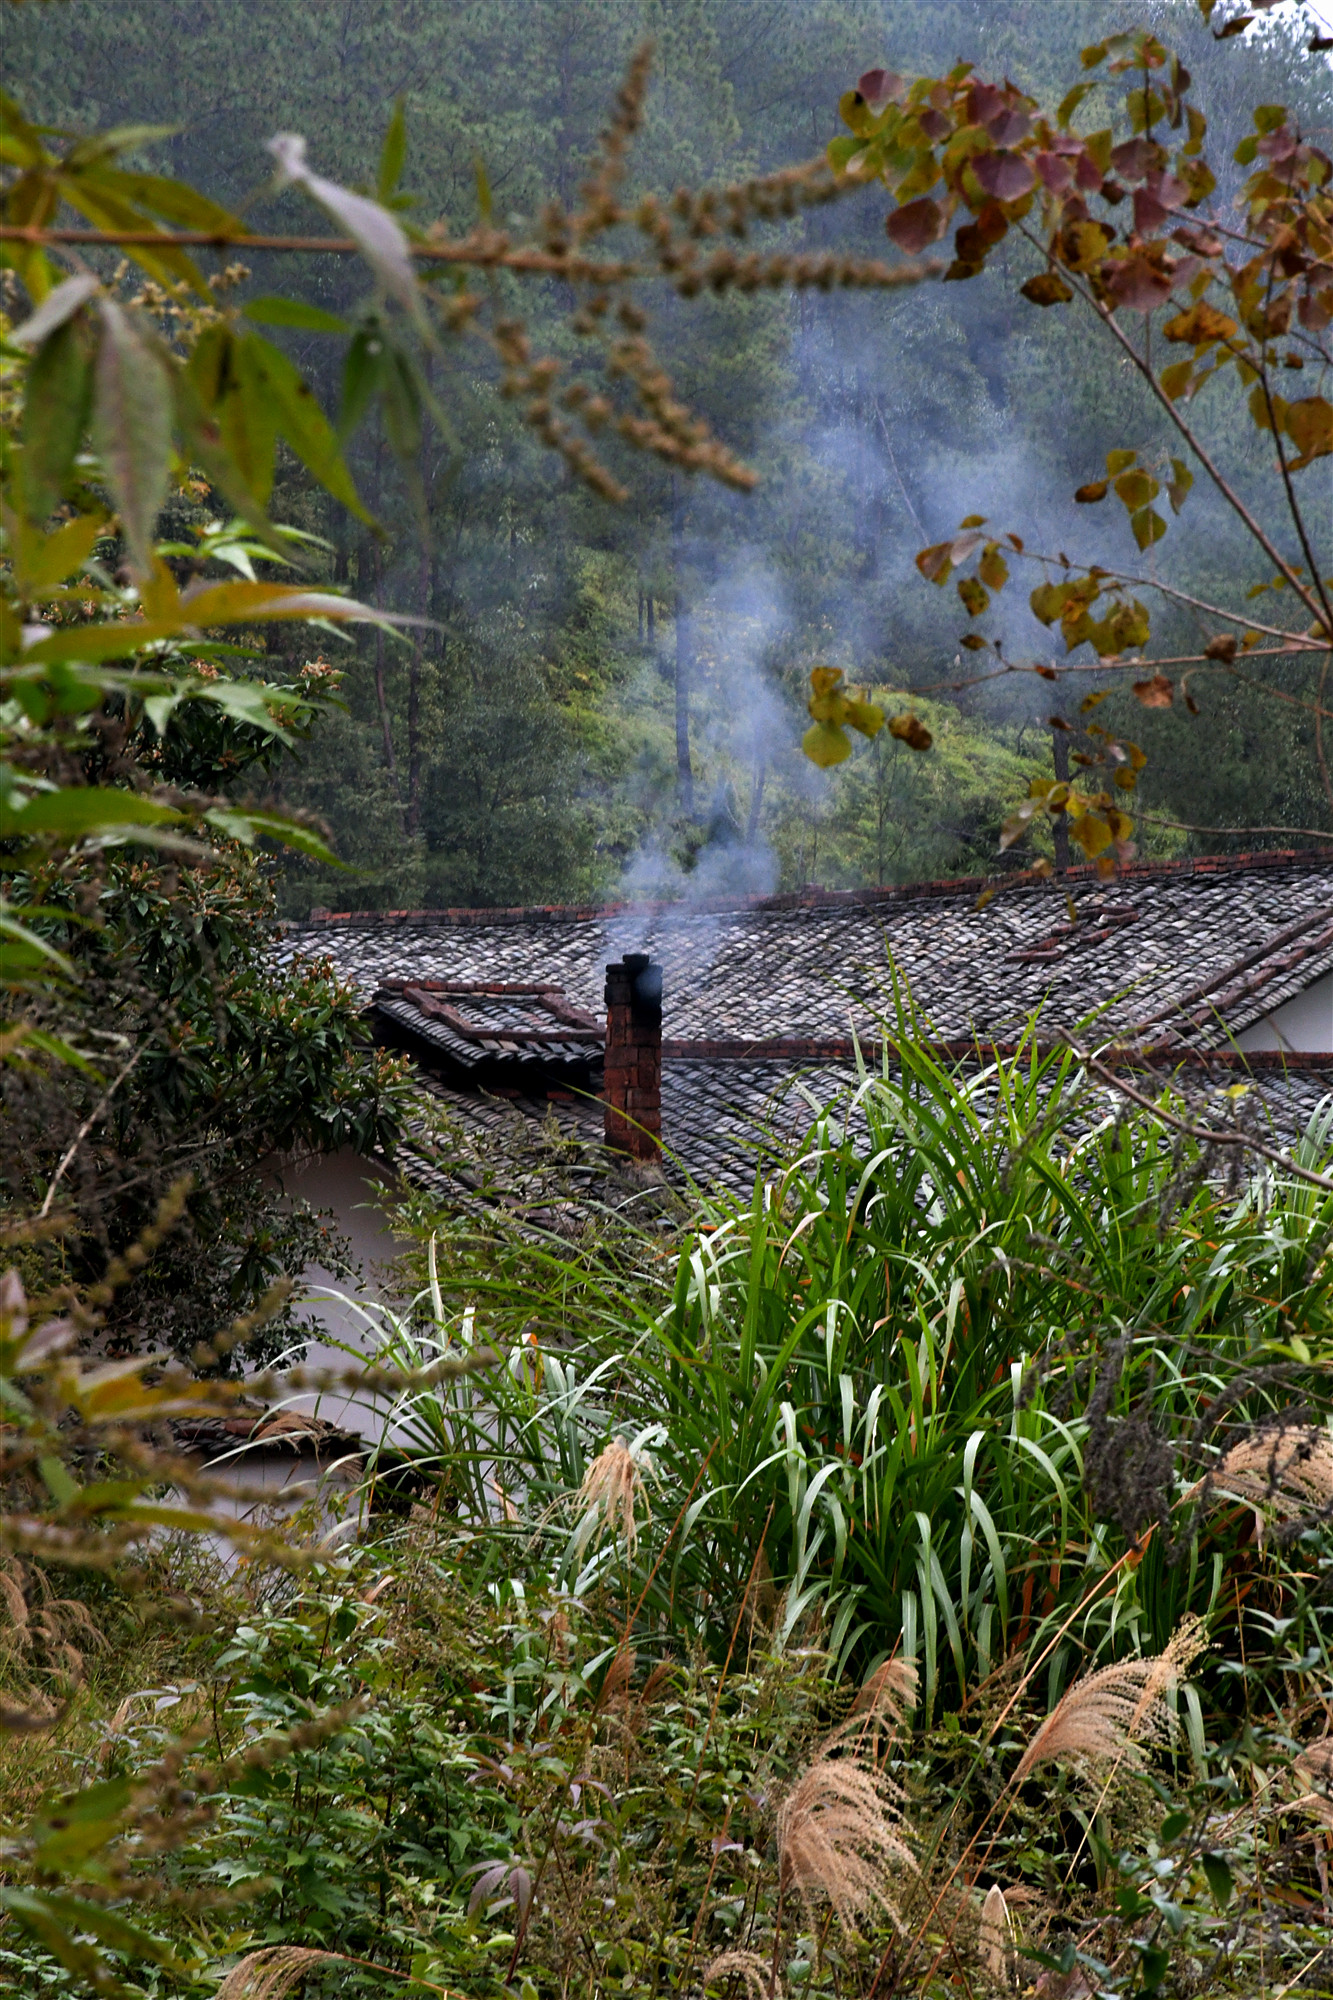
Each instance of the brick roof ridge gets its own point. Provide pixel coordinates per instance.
(942, 887)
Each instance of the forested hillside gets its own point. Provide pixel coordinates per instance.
(611, 700)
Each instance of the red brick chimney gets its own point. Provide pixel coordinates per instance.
(632, 1078)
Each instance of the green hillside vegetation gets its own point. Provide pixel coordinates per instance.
(875, 422)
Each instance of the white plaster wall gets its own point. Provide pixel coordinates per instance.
(1303, 1025)
(357, 1193)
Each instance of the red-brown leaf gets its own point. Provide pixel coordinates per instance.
(1004, 176)
(916, 224)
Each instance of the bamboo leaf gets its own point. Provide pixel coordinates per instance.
(132, 407)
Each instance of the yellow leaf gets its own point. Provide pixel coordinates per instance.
(1148, 526)
(1200, 325)
(864, 716)
(1136, 489)
(936, 563)
(159, 597)
(825, 744)
(1048, 601)
(43, 561)
(1048, 288)
(1092, 834)
(1309, 425)
(974, 595)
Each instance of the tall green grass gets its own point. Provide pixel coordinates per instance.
(945, 1384)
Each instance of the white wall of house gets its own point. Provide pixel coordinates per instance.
(356, 1192)
(1302, 1025)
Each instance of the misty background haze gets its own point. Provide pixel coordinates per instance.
(531, 748)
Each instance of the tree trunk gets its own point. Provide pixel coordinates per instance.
(1060, 759)
(684, 659)
(381, 697)
(414, 697)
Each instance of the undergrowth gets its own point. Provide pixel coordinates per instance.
(915, 1579)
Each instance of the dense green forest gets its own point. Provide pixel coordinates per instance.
(610, 700)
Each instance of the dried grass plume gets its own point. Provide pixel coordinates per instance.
(1287, 1469)
(272, 1973)
(747, 1966)
(840, 1835)
(1104, 1721)
(612, 1494)
(995, 1939)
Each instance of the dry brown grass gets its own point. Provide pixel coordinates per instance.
(840, 1835)
(1314, 1768)
(1287, 1470)
(1105, 1720)
(612, 1495)
(271, 1973)
(754, 1973)
(995, 1938)
(882, 1703)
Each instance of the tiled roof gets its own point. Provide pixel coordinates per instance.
(1199, 950)
(762, 995)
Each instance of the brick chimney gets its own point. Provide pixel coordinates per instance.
(632, 1087)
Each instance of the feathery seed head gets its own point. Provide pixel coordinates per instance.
(996, 1937)
(611, 1492)
(1287, 1468)
(840, 1834)
(747, 1966)
(271, 1973)
(1106, 1718)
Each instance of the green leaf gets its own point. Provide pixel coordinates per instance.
(179, 203)
(304, 425)
(132, 428)
(394, 153)
(24, 948)
(363, 371)
(1155, 1961)
(55, 1475)
(76, 810)
(1219, 1878)
(56, 402)
(274, 311)
(56, 1918)
(251, 826)
(1148, 526)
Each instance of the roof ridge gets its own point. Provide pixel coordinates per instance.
(942, 887)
